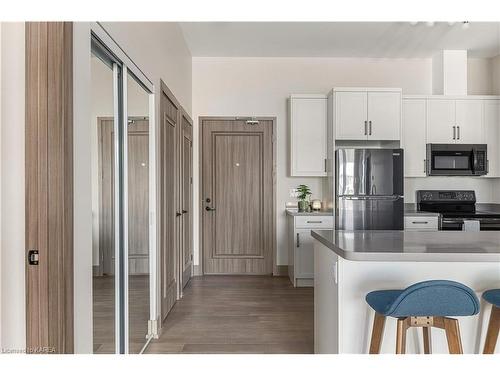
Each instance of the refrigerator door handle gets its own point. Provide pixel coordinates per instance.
(371, 197)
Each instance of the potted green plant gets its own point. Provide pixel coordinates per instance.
(304, 194)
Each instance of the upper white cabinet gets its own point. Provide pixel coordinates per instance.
(368, 114)
(492, 135)
(414, 138)
(469, 121)
(307, 135)
(455, 121)
(441, 121)
(351, 110)
(384, 116)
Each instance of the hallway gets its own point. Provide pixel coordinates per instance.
(239, 314)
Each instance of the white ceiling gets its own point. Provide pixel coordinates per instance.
(339, 39)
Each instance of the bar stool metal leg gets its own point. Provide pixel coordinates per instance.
(377, 333)
(492, 333)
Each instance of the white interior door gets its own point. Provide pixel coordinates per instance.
(414, 136)
(351, 115)
(384, 115)
(440, 120)
(469, 121)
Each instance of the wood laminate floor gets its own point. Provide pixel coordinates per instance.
(239, 314)
(104, 313)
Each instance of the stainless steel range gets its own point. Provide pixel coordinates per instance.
(458, 210)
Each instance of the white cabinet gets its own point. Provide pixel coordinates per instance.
(351, 109)
(414, 137)
(300, 250)
(384, 116)
(492, 135)
(441, 121)
(307, 135)
(422, 223)
(469, 121)
(455, 121)
(368, 114)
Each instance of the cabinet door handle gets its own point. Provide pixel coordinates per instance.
(370, 123)
(420, 222)
(458, 132)
(454, 132)
(314, 221)
(325, 165)
(425, 166)
(298, 241)
(366, 127)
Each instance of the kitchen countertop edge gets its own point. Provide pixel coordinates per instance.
(292, 212)
(403, 257)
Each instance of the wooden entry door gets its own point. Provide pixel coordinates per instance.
(237, 207)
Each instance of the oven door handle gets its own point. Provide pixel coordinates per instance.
(452, 221)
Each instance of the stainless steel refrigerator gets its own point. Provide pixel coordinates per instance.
(369, 189)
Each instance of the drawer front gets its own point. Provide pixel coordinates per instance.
(318, 222)
(421, 222)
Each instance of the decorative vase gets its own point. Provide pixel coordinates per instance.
(304, 206)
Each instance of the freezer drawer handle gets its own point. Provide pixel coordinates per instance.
(420, 222)
(314, 221)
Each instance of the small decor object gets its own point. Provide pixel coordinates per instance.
(304, 194)
(316, 205)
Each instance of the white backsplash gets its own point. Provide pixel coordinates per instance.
(487, 189)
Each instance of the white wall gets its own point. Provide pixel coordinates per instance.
(12, 294)
(495, 62)
(260, 87)
(479, 76)
(160, 51)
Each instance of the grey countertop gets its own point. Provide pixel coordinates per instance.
(400, 246)
(292, 212)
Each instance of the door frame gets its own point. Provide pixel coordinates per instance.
(49, 187)
(200, 182)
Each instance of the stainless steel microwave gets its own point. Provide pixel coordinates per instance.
(456, 159)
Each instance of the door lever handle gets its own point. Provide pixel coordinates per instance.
(209, 208)
(177, 214)
(184, 211)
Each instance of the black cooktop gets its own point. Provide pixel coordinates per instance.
(454, 204)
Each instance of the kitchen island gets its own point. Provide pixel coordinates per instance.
(349, 264)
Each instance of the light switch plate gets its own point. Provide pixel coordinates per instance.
(294, 193)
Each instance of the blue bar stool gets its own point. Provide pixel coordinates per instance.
(426, 304)
(492, 296)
